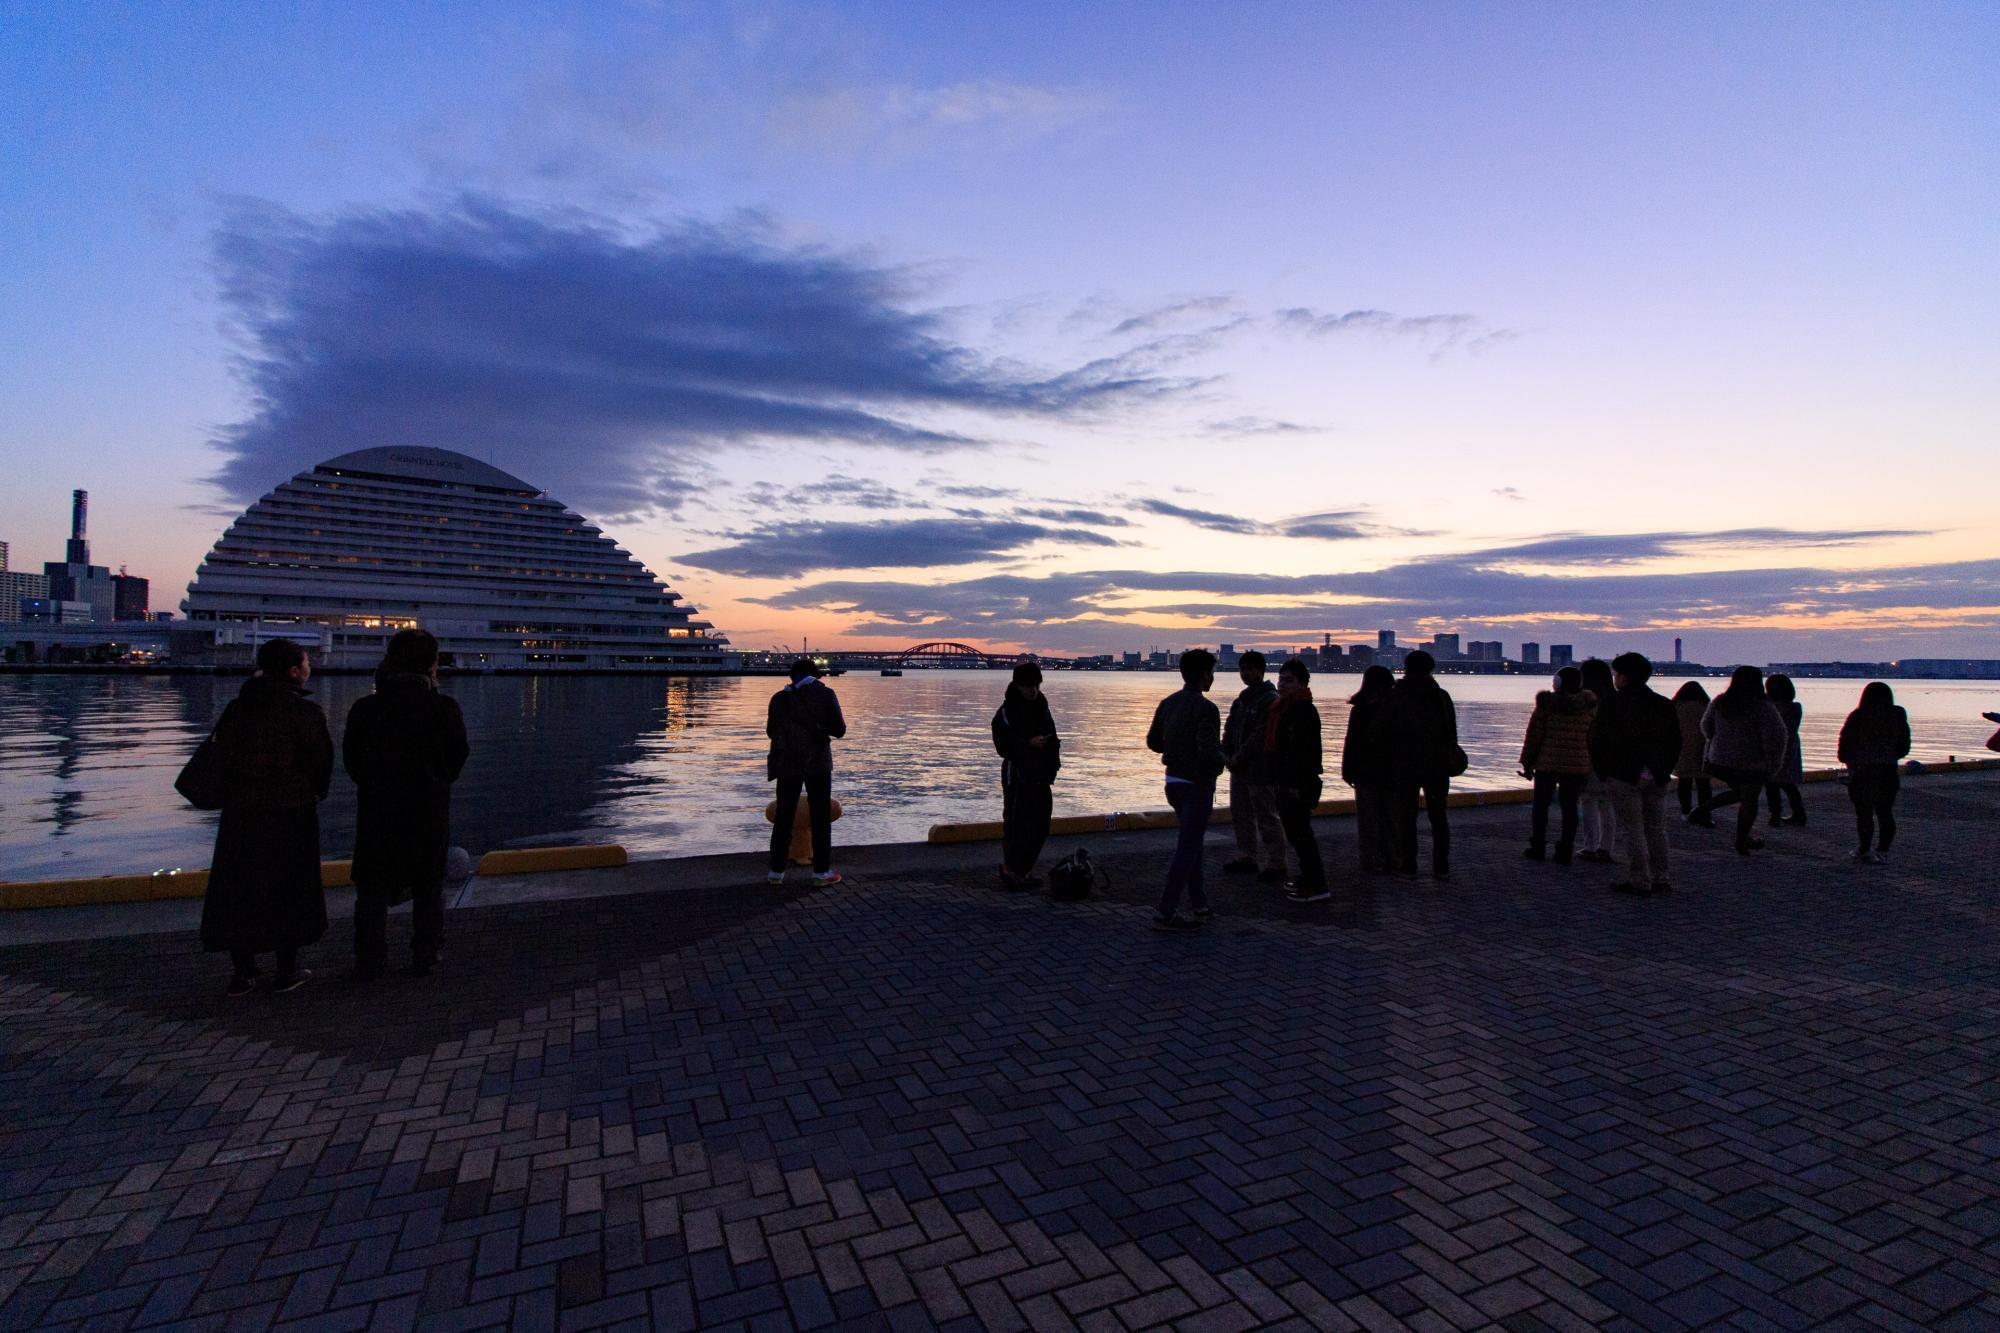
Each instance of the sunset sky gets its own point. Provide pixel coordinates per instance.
(1079, 327)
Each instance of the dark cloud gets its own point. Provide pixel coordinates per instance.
(979, 492)
(1205, 518)
(835, 490)
(1086, 610)
(590, 359)
(1333, 525)
(1588, 548)
(1161, 316)
(1088, 517)
(790, 550)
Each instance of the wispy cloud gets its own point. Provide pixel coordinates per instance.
(1442, 333)
(790, 550)
(1329, 525)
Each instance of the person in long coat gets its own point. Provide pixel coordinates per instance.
(1791, 770)
(404, 746)
(1024, 732)
(264, 893)
(1364, 766)
(1423, 740)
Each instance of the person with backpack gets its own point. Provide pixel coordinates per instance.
(1873, 741)
(1555, 756)
(264, 892)
(1424, 756)
(1745, 741)
(1791, 770)
(1253, 801)
(1024, 732)
(803, 720)
(1364, 766)
(404, 745)
(1187, 735)
(1292, 757)
(1634, 741)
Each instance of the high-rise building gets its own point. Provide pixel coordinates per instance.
(1531, 654)
(1385, 641)
(17, 588)
(505, 575)
(1484, 650)
(1444, 647)
(130, 595)
(1561, 655)
(75, 579)
(1677, 649)
(1360, 655)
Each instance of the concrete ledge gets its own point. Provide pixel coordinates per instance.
(534, 860)
(990, 830)
(160, 886)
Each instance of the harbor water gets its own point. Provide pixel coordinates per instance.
(675, 766)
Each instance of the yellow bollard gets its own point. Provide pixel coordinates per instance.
(802, 833)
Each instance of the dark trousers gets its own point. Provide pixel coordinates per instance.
(245, 962)
(1873, 788)
(1744, 785)
(1773, 790)
(1435, 792)
(819, 809)
(1295, 808)
(1193, 802)
(1375, 824)
(1564, 788)
(1025, 811)
(1693, 783)
(371, 927)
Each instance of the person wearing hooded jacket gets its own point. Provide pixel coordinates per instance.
(1555, 756)
(404, 745)
(1293, 758)
(264, 892)
(1024, 732)
(1253, 801)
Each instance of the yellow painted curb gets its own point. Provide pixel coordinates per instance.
(160, 886)
(531, 860)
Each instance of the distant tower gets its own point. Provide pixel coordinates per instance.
(1531, 654)
(1561, 655)
(1385, 641)
(79, 543)
(1677, 650)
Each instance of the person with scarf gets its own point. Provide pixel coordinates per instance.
(1291, 746)
(1024, 732)
(404, 745)
(1873, 741)
(264, 893)
(803, 720)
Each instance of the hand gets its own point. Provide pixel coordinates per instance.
(1038, 742)
(1527, 773)
(1991, 717)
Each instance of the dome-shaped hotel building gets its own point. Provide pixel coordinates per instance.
(506, 577)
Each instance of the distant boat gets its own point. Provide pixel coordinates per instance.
(892, 671)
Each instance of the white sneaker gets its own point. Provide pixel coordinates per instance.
(826, 879)
(774, 877)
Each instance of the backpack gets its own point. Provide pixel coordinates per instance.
(1072, 878)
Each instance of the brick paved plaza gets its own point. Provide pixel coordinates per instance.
(1769, 1100)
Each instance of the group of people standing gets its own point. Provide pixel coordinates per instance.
(1601, 747)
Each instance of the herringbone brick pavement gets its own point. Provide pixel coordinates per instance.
(1769, 1100)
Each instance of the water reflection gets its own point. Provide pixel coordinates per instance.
(676, 765)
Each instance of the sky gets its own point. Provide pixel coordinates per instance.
(1067, 327)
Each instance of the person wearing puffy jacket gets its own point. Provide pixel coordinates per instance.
(1745, 744)
(1555, 756)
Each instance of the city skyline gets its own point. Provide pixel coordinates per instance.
(1045, 327)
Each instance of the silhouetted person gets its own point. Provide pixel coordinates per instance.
(1594, 809)
(1423, 738)
(1253, 801)
(264, 893)
(1745, 740)
(1292, 750)
(1555, 756)
(1187, 735)
(1634, 742)
(1024, 732)
(1791, 770)
(803, 722)
(1365, 766)
(1690, 702)
(1873, 741)
(404, 745)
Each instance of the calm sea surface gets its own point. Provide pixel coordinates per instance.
(677, 766)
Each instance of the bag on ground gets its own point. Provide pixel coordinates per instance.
(1073, 877)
